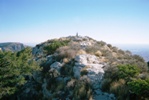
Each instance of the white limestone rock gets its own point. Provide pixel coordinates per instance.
(56, 66)
(95, 69)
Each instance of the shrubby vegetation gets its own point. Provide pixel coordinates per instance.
(51, 48)
(139, 87)
(127, 71)
(125, 83)
(14, 67)
(82, 90)
(126, 75)
(60, 87)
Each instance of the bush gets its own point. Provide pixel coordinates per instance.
(66, 52)
(106, 84)
(120, 89)
(92, 49)
(67, 69)
(81, 51)
(50, 49)
(127, 71)
(138, 58)
(139, 87)
(82, 91)
(98, 53)
(101, 43)
(109, 45)
(124, 82)
(121, 52)
(115, 49)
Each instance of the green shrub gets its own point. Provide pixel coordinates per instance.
(127, 71)
(50, 49)
(139, 86)
(122, 80)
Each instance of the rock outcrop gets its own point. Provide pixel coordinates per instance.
(94, 71)
(76, 71)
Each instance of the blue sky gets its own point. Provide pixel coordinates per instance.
(113, 21)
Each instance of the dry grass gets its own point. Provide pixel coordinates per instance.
(81, 52)
(66, 52)
(98, 53)
(116, 84)
(119, 89)
(65, 60)
(71, 83)
(82, 91)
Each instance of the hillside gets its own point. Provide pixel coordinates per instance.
(81, 68)
(11, 46)
(139, 49)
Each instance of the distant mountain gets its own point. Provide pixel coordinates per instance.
(12, 46)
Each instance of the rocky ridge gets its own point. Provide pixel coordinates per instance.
(75, 70)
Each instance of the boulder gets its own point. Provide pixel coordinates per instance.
(86, 59)
(56, 66)
(94, 71)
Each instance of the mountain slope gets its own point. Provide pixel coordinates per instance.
(12, 46)
(81, 68)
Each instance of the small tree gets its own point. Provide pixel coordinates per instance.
(13, 69)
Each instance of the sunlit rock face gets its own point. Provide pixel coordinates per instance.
(83, 60)
(94, 71)
(91, 64)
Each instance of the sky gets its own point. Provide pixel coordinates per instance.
(113, 21)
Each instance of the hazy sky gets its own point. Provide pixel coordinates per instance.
(113, 21)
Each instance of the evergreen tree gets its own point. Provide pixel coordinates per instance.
(13, 69)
